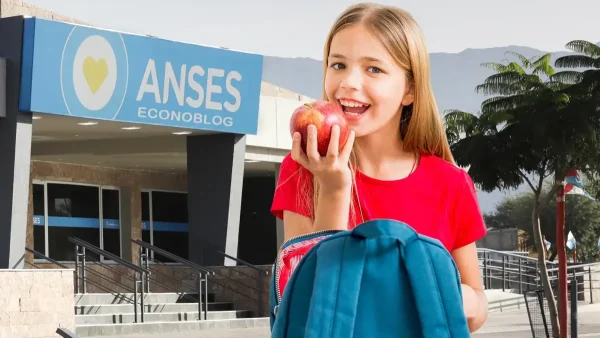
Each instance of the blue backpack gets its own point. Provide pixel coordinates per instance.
(381, 279)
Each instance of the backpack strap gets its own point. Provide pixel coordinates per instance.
(333, 314)
(437, 290)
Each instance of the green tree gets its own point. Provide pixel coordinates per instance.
(526, 132)
(582, 218)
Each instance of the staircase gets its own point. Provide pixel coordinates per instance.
(508, 276)
(105, 314)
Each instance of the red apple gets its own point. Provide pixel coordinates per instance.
(323, 115)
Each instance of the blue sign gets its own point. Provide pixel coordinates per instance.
(105, 75)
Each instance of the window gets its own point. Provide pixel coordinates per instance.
(74, 210)
(165, 222)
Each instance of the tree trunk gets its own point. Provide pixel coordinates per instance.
(549, 295)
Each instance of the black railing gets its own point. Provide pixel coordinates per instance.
(261, 273)
(201, 277)
(44, 257)
(81, 271)
(48, 260)
(507, 270)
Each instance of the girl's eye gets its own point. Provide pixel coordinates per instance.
(375, 70)
(338, 66)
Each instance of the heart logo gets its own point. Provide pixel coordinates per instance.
(95, 72)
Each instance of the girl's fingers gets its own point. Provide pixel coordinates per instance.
(297, 153)
(347, 150)
(333, 148)
(311, 145)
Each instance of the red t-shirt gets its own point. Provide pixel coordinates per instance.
(438, 200)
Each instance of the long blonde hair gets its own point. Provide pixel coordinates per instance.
(421, 126)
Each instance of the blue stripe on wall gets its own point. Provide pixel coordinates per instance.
(75, 222)
(94, 223)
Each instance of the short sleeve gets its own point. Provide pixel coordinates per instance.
(293, 191)
(470, 226)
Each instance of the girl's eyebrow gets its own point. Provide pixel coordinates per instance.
(367, 58)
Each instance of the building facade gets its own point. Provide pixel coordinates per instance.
(111, 137)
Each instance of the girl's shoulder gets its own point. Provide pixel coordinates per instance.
(445, 174)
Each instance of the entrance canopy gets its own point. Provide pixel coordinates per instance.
(106, 143)
(99, 74)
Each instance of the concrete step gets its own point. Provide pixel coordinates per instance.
(149, 308)
(129, 318)
(99, 330)
(499, 301)
(150, 298)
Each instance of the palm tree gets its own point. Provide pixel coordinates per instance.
(509, 142)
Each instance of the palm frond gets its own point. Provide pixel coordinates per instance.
(575, 61)
(566, 77)
(502, 68)
(462, 119)
(497, 67)
(584, 47)
(525, 61)
(542, 66)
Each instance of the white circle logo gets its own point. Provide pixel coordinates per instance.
(94, 72)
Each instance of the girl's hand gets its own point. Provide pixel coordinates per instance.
(332, 171)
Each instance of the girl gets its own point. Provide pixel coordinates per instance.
(396, 163)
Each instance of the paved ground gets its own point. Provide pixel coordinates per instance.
(231, 333)
(510, 324)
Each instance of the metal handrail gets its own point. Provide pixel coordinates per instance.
(259, 280)
(173, 257)
(201, 271)
(504, 253)
(522, 273)
(105, 253)
(50, 260)
(237, 260)
(571, 267)
(138, 271)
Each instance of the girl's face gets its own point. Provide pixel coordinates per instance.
(363, 78)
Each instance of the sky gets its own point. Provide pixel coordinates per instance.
(298, 28)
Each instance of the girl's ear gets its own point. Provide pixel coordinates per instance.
(409, 95)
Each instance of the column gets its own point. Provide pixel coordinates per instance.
(15, 151)
(215, 168)
(131, 222)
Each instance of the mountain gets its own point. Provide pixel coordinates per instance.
(454, 77)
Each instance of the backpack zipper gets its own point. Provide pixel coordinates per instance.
(320, 232)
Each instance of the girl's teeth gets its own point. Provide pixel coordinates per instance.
(351, 104)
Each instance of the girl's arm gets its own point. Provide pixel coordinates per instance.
(332, 213)
(333, 207)
(474, 298)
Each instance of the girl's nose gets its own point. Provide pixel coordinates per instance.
(352, 79)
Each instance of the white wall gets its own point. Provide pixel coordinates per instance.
(35, 302)
(273, 137)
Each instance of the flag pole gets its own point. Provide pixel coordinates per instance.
(562, 257)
